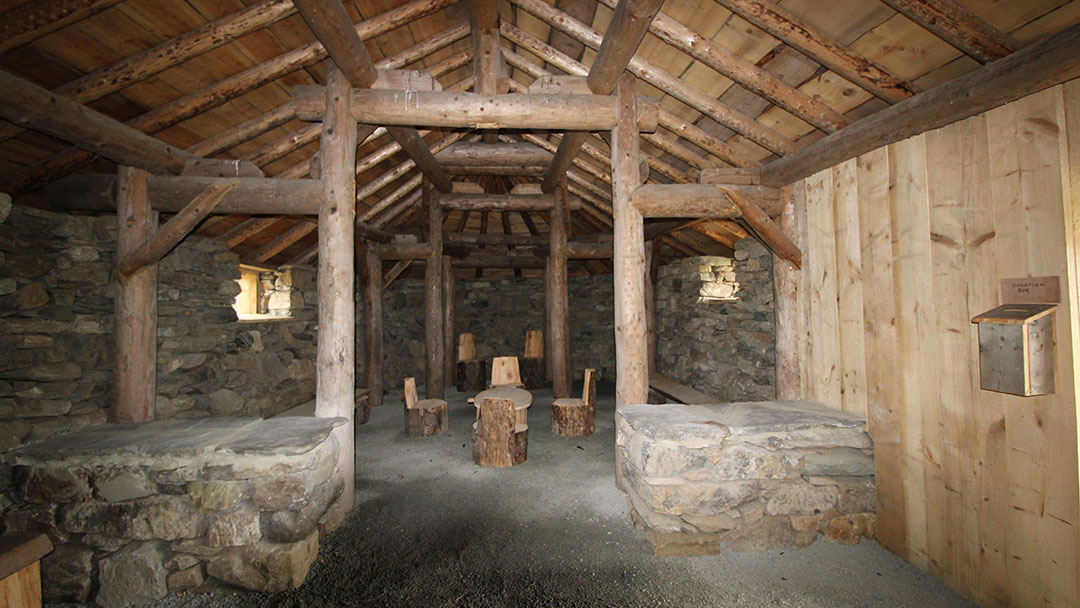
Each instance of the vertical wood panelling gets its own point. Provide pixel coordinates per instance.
(901, 248)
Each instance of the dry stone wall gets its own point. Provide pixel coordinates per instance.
(715, 322)
(499, 312)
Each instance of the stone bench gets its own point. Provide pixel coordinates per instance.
(137, 511)
(745, 476)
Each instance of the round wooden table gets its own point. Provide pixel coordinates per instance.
(522, 399)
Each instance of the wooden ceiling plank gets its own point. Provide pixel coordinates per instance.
(247, 229)
(219, 93)
(285, 145)
(657, 77)
(305, 256)
(745, 73)
(625, 31)
(691, 133)
(33, 19)
(333, 27)
(828, 52)
(953, 24)
(1046, 63)
(31, 106)
(278, 244)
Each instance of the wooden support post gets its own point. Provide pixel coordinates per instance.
(373, 332)
(433, 297)
(786, 281)
(631, 348)
(548, 291)
(449, 321)
(336, 366)
(652, 263)
(489, 69)
(560, 313)
(136, 303)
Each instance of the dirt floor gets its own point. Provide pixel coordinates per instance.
(432, 529)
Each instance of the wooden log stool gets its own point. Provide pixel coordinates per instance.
(498, 439)
(471, 371)
(532, 365)
(505, 372)
(423, 417)
(20, 568)
(576, 417)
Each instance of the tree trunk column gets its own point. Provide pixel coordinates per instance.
(449, 321)
(136, 303)
(336, 371)
(433, 297)
(547, 319)
(560, 325)
(632, 382)
(373, 330)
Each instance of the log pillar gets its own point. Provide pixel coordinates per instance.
(560, 323)
(373, 330)
(652, 266)
(786, 280)
(136, 303)
(433, 297)
(631, 345)
(336, 364)
(547, 319)
(449, 322)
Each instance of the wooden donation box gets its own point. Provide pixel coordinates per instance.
(1016, 349)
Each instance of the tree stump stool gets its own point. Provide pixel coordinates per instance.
(498, 440)
(471, 375)
(423, 417)
(576, 417)
(532, 372)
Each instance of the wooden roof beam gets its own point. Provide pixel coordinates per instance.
(246, 229)
(285, 145)
(1044, 64)
(27, 21)
(811, 42)
(31, 106)
(624, 34)
(381, 181)
(282, 241)
(952, 23)
(706, 141)
(219, 93)
(333, 27)
(244, 131)
(745, 73)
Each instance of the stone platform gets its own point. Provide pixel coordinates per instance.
(137, 511)
(745, 476)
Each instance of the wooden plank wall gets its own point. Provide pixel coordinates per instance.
(902, 246)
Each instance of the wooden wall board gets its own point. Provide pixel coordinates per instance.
(976, 487)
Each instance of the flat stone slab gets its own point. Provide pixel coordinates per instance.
(180, 438)
(714, 422)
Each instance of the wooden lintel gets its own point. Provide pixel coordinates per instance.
(471, 110)
(256, 196)
(1044, 64)
(174, 230)
(498, 202)
(472, 154)
(700, 200)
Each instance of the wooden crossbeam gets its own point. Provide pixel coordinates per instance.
(497, 202)
(1041, 65)
(333, 27)
(475, 154)
(225, 90)
(700, 200)
(811, 42)
(952, 23)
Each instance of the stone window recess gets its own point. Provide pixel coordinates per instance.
(718, 281)
(266, 294)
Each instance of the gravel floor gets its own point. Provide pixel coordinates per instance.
(432, 529)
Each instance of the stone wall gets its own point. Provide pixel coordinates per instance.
(138, 511)
(499, 312)
(716, 323)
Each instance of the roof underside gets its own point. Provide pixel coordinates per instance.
(211, 92)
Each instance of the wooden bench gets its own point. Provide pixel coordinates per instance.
(679, 392)
(20, 568)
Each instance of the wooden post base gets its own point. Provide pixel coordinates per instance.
(498, 440)
(532, 372)
(428, 417)
(472, 376)
(363, 406)
(573, 418)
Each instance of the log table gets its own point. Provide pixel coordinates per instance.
(521, 398)
(20, 570)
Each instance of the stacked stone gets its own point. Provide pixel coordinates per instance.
(56, 323)
(209, 364)
(716, 323)
(142, 510)
(745, 476)
(498, 312)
